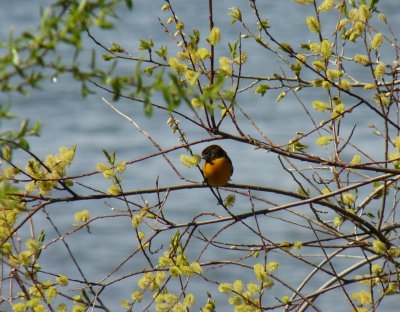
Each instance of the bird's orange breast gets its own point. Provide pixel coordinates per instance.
(218, 172)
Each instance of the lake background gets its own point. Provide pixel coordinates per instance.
(69, 119)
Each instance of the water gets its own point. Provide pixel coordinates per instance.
(68, 119)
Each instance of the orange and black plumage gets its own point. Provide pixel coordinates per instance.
(218, 168)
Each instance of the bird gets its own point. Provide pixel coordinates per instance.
(218, 168)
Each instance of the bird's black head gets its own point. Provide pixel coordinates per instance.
(212, 152)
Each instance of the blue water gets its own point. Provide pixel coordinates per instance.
(69, 119)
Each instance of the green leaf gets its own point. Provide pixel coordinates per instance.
(149, 70)
(233, 48)
(146, 45)
(14, 56)
(110, 157)
(35, 130)
(23, 144)
(148, 107)
(174, 243)
(162, 52)
(344, 9)
(194, 39)
(296, 146)
(23, 127)
(372, 4)
(211, 92)
(129, 4)
(69, 183)
(281, 96)
(262, 89)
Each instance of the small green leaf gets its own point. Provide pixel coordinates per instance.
(23, 144)
(110, 157)
(296, 146)
(14, 56)
(148, 107)
(146, 45)
(262, 89)
(162, 52)
(281, 96)
(69, 183)
(372, 4)
(129, 4)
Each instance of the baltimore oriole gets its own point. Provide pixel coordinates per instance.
(218, 167)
